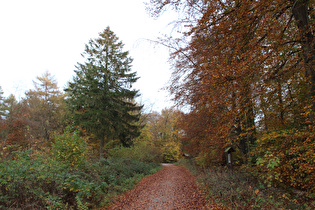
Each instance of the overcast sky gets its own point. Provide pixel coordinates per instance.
(41, 35)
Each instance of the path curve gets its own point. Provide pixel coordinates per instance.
(171, 188)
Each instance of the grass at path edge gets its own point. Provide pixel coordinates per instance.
(233, 189)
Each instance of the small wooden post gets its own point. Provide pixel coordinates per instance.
(229, 151)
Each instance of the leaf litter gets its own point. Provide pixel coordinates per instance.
(173, 187)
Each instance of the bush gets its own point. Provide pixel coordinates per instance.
(29, 179)
(141, 151)
(69, 147)
(33, 180)
(287, 158)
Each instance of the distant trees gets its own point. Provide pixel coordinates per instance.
(101, 95)
(46, 107)
(12, 122)
(17, 124)
(34, 118)
(162, 131)
(168, 135)
(99, 100)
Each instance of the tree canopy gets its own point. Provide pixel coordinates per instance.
(246, 70)
(46, 107)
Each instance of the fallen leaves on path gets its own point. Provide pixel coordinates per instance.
(171, 188)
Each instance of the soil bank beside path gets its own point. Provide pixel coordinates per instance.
(171, 188)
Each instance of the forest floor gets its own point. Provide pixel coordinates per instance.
(173, 187)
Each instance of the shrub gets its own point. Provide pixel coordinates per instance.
(287, 158)
(141, 151)
(69, 147)
(233, 189)
(36, 181)
(29, 179)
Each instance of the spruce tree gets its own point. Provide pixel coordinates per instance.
(101, 95)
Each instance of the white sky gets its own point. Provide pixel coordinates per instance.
(40, 35)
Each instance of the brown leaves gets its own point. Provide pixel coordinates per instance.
(171, 188)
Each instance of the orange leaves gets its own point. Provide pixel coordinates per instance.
(288, 156)
(244, 79)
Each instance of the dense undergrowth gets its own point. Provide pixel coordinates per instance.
(32, 180)
(238, 190)
(66, 176)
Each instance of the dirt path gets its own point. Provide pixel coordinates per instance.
(171, 188)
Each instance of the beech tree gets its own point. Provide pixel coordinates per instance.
(101, 95)
(236, 50)
(247, 69)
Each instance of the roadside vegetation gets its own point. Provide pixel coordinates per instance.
(65, 176)
(237, 189)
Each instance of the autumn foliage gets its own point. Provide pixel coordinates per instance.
(243, 74)
(245, 71)
(287, 157)
(49, 139)
(161, 133)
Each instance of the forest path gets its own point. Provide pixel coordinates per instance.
(173, 187)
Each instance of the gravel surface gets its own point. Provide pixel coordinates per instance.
(171, 188)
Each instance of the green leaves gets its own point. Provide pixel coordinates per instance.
(69, 148)
(35, 179)
(286, 156)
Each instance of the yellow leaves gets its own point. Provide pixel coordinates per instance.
(70, 147)
(287, 157)
(256, 191)
(170, 151)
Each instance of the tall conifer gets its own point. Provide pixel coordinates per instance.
(101, 94)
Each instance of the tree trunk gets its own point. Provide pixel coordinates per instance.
(102, 143)
(281, 106)
(247, 121)
(300, 13)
